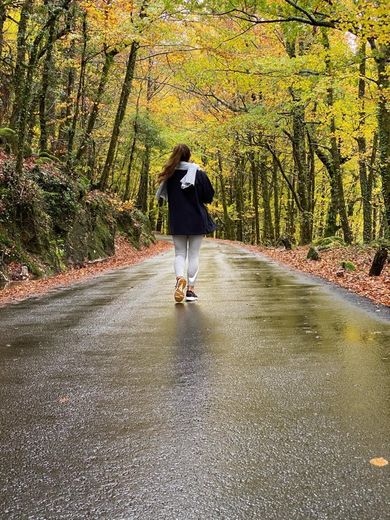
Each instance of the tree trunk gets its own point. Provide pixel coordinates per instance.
(20, 63)
(3, 17)
(265, 192)
(321, 217)
(331, 226)
(126, 195)
(76, 109)
(25, 100)
(381, 55)
(226, 218)
(276, 198)
(238, 177)
(365, 187)
(291, 210)
(160, 216)
(46, 76)
(66, 112)
(335, 159)
(142, 197)
(379, 261)
(311, 182)
(126, 89)
(109, 60)
(298, 140)
(255, 194)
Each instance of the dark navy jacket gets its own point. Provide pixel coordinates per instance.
(187, 213)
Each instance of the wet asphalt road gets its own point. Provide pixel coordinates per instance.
(264, 400)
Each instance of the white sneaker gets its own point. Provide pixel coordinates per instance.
(181, 284)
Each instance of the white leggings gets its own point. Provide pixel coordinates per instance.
(190, 244)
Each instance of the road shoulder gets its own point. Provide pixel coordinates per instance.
(125, 255)
(369, 299)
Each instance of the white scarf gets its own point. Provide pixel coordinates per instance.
(186, 181)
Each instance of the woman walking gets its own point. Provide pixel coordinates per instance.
(187, 188)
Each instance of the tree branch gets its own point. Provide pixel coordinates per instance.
(255, 20)
(285, 176)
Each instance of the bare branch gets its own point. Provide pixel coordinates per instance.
(301, 10)
(256, 20)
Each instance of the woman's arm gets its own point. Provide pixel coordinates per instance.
(204, 187)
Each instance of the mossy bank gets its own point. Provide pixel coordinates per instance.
(50, 220)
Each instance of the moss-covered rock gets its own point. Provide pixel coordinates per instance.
(43, 154)
(49, 220)
(313, 254)
(326, 243)
(348, 266)
(136, 226)
(8, 138)
(91, 234)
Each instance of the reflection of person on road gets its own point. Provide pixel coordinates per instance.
(187, 188)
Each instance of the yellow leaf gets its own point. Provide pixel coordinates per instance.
(379, 461)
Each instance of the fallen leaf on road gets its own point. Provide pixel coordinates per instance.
(63, 399)
(379, 461)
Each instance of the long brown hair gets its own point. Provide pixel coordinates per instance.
(181, 152)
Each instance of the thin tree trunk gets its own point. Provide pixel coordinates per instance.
(374, 221)
(25, 101)
(311, 182)
(126, 194)
(267, 214)
(142, 197)
(365, 188)
(321, 217)
(291, 210)
(226, 218)
(109, 60)
(24, 104)
(255, 194)
(152, 205)
(299, 150)
(238, 181)
(126, 89)
(46, 76)
(66, 112)
(24, 112)
(336, 164)
(76, 111)
(276, 198)
(20, 64)
(3, 17)
(142, 201)
(381, 55)
(298, 140)
(332, 162)
(160, 217)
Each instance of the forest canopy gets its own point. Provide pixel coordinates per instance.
(284, 103)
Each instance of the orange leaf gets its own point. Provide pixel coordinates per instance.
(379, 461)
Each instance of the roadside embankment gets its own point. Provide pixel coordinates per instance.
(55, 228)
(125, 255)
